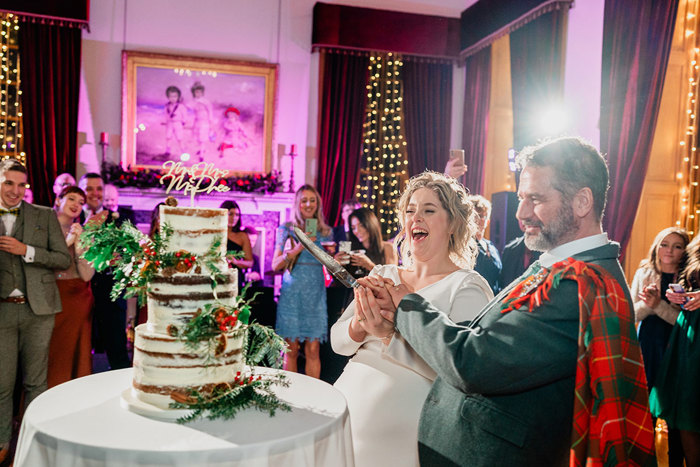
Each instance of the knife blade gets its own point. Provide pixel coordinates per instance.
(333, 267)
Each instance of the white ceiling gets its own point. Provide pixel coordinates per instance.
(450, 8)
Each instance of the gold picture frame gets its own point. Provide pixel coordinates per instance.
(194, 109)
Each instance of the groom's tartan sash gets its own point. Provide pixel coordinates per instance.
(612, 424)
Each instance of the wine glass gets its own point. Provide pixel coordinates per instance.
(358, 252)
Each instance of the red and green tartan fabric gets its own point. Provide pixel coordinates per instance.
(612, 424)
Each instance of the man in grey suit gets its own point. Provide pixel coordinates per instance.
(31, 248)
(505, 388)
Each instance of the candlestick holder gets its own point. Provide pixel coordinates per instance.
(291, 155)
(104, 144)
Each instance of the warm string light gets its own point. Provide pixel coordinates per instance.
(383, 163)
(11, 142)
(688, 175)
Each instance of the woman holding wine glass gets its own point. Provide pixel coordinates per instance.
(368, 248)
(70, 349)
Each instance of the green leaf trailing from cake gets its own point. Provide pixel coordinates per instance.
(226, 400)
(136, 258)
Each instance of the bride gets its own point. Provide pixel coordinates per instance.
(386, 382)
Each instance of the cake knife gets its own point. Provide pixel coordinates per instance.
(334, 267)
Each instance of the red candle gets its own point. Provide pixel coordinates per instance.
(104, 138)
(294, 146)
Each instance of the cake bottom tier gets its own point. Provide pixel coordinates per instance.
(164, 365)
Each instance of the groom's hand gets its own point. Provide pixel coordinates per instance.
(381, 294)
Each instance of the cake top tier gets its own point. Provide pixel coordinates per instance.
(195, 229)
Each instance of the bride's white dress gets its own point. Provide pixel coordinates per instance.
(385, 386)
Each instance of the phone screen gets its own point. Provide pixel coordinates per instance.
(677, 288)
(310, 227)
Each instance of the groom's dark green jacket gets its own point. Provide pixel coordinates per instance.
(505, 387)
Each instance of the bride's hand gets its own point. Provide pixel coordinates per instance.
(372, 317)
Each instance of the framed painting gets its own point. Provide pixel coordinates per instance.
(192, 110)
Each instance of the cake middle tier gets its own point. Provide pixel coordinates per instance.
(174, 300)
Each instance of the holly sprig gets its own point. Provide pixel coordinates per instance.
(135, 258)
(208, 326)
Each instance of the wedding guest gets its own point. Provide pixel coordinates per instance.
(366, 235)
(488, 261)
(111, 202)
(32, 247)
(549, 372)
(674, 396)
(341, 232)
(62, 181)
(237, 240)
(141, 315)
(655, 314)
(69, 353)
(301, 310)
(386, 382)
(109, 317)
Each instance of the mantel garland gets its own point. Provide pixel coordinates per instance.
(148, 178)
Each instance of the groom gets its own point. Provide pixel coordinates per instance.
(522, 384)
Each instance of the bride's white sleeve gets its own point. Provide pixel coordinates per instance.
(470, 296)
(341, 342)
(473, 295)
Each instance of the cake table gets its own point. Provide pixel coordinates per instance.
(82, 423)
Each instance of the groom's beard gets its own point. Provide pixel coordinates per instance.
(556, 233)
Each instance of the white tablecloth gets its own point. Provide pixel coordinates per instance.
(81, 423)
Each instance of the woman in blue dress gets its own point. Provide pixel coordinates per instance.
(301, 311)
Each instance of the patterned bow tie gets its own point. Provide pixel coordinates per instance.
(14, 212)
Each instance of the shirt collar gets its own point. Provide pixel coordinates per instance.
(88, 211)
(567, 250)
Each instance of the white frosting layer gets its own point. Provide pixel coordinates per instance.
(194, 229)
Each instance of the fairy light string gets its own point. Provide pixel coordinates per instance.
(687, 177)
(383, 168)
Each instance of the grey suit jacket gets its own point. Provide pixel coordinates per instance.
(505, 386)
(38, 226)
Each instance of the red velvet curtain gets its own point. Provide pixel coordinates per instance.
(636, 45)
(341, 114)
(50, 60)
(537, 73)
(477, 96)
(427, 109)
